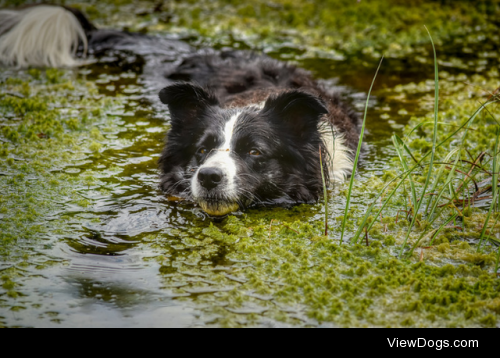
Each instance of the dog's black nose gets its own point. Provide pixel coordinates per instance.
(209, 178)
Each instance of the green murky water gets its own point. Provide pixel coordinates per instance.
(88, 239)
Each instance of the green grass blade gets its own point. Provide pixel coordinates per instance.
(498, 254)
(360, 142)
(437, 231)
(494, 188)
(424, 233)
(440, 174)
(325, 193)
(467, 123)
(434, 141)
(436, 202)
(451, 174)
(397, 142)
(442, 227)
(403, 177)
(405, 147)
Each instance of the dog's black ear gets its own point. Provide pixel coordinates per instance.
(296, 111)
(187, 102)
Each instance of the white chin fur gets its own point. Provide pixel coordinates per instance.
(41, 36)
(340, 161)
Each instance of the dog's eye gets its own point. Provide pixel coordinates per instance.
(254, 152)
(202, 150)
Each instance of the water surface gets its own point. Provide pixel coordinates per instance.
(132, 258)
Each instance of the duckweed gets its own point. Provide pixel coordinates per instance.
(346, 285)
(335, 28)
(269, 266)
(34, 144)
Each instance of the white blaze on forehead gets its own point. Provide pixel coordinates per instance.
(229, 131)
(221, 158)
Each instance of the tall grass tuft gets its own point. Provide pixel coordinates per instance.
(358, 151)
(443, 205)
(433, 152)
(494, 188)
(397, 143)
(420, 164)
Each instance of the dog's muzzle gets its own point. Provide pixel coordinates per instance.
(211, 179)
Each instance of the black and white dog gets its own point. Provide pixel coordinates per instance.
(245, 129)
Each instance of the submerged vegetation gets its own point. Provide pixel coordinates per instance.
(419, 243)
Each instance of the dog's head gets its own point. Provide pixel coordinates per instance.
(229, 158)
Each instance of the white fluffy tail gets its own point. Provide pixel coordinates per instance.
(41, 36)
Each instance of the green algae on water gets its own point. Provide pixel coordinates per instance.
(300, 277)
(269, 266)
(332, 28)
(42, 131)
